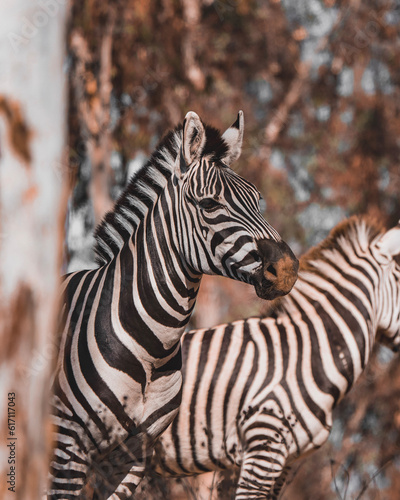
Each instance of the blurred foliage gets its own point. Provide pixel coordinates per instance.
(339, 143)
(327, 72)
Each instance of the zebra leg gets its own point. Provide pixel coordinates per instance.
(280, 482)
(118, 475)
(68, 469)
(263, 470)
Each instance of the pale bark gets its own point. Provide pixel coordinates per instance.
(32, 121)
(192, 17)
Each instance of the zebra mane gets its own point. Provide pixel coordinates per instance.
(144, 188)
(363, 229)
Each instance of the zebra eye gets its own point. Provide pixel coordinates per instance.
(209, 204)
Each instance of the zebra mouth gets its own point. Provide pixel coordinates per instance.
(265, 289)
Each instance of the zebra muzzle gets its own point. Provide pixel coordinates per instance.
(278, 272)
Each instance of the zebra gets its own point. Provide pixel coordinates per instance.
(118, 381)
(259, 393)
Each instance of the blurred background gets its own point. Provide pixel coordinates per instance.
(319, 84)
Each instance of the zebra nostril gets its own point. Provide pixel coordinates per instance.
(272, 270)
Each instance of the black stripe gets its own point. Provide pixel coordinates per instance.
(170, 249)
(112, 350)
(250, 379)
(337, 341)
(221, 358)
(89, 371)
(174, 426)
(67, 353)
(147, 295)
(130, 318)
(158, 271)
(172, 365)
(205, 346)
(317, 369)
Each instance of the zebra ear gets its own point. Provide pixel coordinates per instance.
(193, 140)
(389, 244)
(233, 137)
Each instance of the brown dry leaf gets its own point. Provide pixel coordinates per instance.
(300, 34)
(91, 85)
(396, 419)
(19, 133)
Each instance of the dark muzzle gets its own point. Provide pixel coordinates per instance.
(278, 272)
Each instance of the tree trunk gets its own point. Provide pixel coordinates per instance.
(32, 119)
(93, 94)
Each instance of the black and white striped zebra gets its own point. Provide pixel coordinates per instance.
(259, 393)
(118, 381)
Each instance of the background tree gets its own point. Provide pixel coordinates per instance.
(32, 134)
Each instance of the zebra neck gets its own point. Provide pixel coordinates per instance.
(159, 289)
(340, 318)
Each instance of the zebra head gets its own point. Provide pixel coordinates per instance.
(222, 229)
(387, 250)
